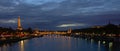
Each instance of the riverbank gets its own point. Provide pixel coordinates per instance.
(97, 38)
(16, 39)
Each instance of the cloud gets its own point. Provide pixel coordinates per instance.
(40, 2)
(71, 25)
(8, 21)
(52, 13)
(59, 7)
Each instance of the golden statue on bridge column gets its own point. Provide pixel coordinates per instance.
(69, 31)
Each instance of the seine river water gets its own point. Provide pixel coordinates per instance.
(60, 43)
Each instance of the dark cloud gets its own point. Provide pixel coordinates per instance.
(49, 14)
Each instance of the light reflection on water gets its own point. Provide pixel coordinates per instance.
(59, 43)
(99, 46)
(22, 45)
(110, 46)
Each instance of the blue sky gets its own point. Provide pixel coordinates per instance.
(59, 14)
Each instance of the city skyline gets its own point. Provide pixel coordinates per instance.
(59, 15)
(59, 25)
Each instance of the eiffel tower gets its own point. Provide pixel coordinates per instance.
(19, 27)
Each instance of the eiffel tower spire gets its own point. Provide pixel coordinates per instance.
(19, 24)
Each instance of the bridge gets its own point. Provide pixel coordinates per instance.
(37, 32)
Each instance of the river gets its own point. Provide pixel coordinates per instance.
(60, 43)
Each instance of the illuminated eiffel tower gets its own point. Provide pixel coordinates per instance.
(19, 27)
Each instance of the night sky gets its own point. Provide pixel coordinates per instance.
(59, 14)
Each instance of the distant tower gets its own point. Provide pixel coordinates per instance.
(109, 22)
(19, 24)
